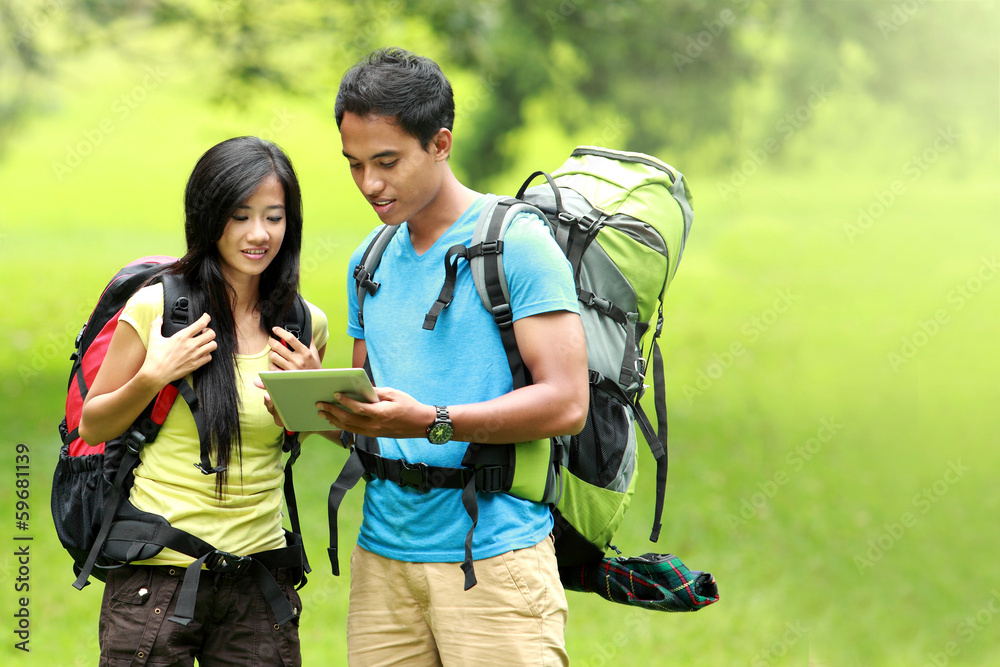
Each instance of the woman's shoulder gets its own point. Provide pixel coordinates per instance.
(144, 307)
(150, 296)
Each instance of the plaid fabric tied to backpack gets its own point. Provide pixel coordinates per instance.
(652, 581)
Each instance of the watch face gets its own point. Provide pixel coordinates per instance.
(440, 433)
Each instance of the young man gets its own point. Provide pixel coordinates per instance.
(441, 389)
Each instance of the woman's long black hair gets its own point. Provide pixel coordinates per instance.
(223, 179)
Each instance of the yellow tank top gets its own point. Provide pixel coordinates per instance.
(247, 518)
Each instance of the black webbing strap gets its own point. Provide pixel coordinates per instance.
(630, 372)
(579, 233)
(498, 303)
(448, 289)
(187, 392)
(591, 300)
(294, 448)
(227, 563)
(81, 382)
(364, 272)
(346, 480)
(549, 180)
(657, 440)
(133, 443)
(471, 503)
(660, 453)
(520, 372)
(191, 398)
(258, 565)
(658, 448)
(421, 477)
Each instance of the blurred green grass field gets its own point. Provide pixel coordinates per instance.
(831, 368)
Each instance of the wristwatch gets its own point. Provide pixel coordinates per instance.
(440, 430)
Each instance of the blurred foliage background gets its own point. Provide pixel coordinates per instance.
(831, 342)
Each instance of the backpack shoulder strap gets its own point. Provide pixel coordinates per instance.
(177, 306)
(298, 320)
(486, 263)
(365, 270)
(485, 256)
(178, 312)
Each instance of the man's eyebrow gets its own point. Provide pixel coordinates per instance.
(385, 153)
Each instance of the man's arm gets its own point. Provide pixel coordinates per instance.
(554, 350)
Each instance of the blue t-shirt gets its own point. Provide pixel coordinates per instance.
(460, 361)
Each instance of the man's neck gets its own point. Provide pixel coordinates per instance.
(451, 202)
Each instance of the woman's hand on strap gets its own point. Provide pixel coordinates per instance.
(289, 354)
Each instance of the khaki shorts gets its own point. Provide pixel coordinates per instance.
(233, 624)
(418, 613)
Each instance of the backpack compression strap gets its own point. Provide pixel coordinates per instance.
(567, 231)
(659, 449)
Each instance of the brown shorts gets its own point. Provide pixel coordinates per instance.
(233, 624)
(419, 615)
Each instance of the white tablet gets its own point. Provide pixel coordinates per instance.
(295, 393)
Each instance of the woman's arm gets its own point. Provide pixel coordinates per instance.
(122, 389)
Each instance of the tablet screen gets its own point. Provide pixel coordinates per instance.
(295, 393)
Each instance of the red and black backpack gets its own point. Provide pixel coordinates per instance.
(93, 518)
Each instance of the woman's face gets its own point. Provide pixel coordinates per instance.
(254, 233)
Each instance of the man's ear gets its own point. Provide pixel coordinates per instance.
(440, 144)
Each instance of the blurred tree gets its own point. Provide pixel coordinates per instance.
(677, 73)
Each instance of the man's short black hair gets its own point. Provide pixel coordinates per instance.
(395, 83)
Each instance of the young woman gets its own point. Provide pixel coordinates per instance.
(244, 228)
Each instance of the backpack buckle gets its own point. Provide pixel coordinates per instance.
(588, 222)
(76, 345)
(491, 248)
(365, 280)
(295, 330)
(179, 313)
(224, 562)
(604, 305)
(489, 479)
(502, 315)
(135, 441)
(413, 475)
(640, 370)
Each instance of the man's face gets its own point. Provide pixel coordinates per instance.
(397, 176)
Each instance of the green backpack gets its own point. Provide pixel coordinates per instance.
(622, 220)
